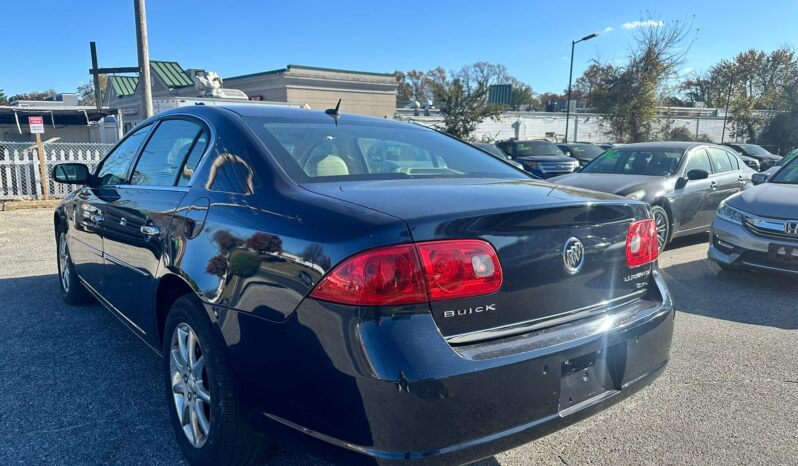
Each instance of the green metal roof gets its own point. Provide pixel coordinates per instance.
(171, 73)
(124, 85)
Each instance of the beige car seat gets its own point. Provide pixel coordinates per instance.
(332, 165)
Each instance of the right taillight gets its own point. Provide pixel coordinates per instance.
(413, 274)
(642, 246)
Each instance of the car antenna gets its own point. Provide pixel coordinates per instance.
(333, 112)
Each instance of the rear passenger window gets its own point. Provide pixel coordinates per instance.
(735, 162)
(720, 160)
(193, 159)
(162, 158)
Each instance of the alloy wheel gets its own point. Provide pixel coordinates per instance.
(63, 262)
(190, 388)
(661, 219)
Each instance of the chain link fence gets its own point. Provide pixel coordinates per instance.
(20, 176)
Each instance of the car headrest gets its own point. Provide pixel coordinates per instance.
(332, 165)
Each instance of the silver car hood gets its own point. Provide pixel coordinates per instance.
(769, 200)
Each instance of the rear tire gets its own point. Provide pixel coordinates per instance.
(72, 290)
(212, 429)
(663, 222)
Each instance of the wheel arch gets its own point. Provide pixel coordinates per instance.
(666, 206)
(170, 288)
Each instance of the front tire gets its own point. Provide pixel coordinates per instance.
(663, 222)
(72, 290)
(209, 424)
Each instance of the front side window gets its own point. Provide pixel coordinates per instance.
(316, 149)
(699, 160)
(720, 160)
(163, 156)
(632, 161)
(114, 168)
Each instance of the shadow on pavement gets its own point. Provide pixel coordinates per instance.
(686, 241)
(702, 288)
(77, 387)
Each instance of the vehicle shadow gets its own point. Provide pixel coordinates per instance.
(78, 388)
(686, 241)
(701, 287)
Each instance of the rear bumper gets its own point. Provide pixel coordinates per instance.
(356, 386)
(734, 245)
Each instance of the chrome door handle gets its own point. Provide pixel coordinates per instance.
(149, 230)
(123, 221)
(713, 185)
(96, 218)
(84, 191)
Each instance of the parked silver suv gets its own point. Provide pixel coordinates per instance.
(758, 228)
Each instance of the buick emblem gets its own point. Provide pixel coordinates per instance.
(573, 255)
(791, 228)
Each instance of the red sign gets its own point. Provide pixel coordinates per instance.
(36, 124)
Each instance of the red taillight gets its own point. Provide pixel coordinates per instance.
(460, 268)
(379, 277)
(642, 246)
(394, 275)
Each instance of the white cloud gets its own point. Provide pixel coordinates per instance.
(609, 29)
(688, 70)
(650, 23)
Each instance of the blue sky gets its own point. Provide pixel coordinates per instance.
(46, 41)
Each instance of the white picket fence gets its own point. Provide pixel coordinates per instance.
(19, 166)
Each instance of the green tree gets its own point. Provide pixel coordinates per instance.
(462, 98)
(3, 99)
(782, 132)
(35, 95)
(86, 91)
(629, 96)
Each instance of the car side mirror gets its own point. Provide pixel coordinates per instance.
(759, 178)
(71, 173)
(697, 174)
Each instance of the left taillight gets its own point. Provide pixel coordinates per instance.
(413, 274)
(642, 246)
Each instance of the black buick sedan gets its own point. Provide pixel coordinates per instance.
(369, 290)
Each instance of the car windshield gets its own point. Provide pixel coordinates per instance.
(793, 154)
(753, 149)
(531, 148)
(788, 174)
(320, 149)
(491, 149)
(632, 161)
(585, 151)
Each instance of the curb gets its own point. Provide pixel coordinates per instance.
(19, 205)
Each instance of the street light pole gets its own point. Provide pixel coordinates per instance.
(144, 57)
(570, 77)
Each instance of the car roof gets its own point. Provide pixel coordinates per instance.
(275, 111)
(673, 145)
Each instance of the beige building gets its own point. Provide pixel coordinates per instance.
(320, 88)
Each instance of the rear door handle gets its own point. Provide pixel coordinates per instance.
(713, 185)
(150, 230)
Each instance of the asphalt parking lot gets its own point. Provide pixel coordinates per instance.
(78, 388)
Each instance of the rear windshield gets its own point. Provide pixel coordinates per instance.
(317, 150)
(788, 174)
(586, 151)
(531, 148)
(753, 149)
(659, 162)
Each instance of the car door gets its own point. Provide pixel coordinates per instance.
(86, 234)
(741, 170)
(695, 208)
(724, 181)
(137, 222)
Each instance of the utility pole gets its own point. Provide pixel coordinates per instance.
(98, 99)
(144, 57)
(726, 112)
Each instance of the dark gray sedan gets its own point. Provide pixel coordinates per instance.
(759, 228)
(683, 181)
